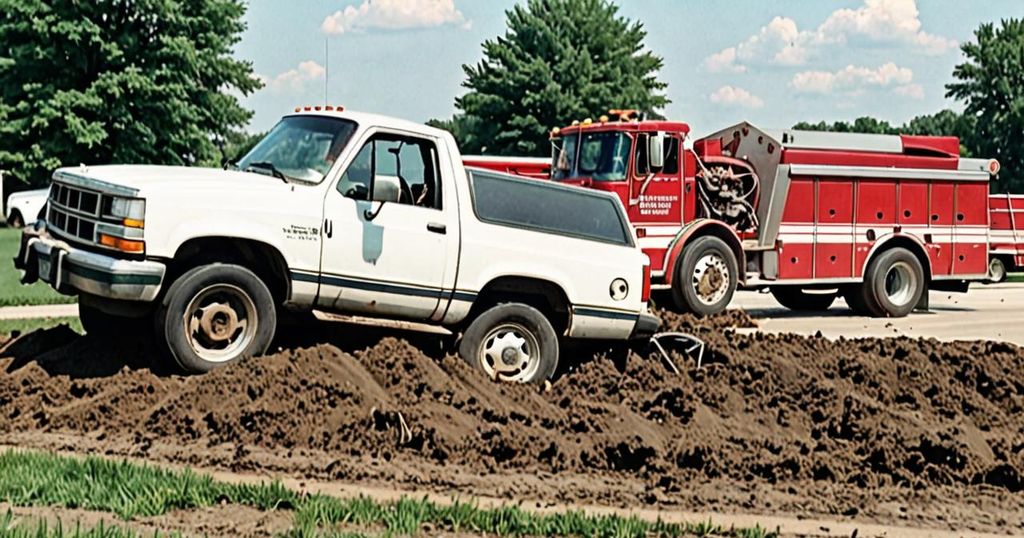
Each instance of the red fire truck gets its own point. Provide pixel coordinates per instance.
(811, 216)
(1006, 236)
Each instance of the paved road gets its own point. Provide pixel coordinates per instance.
(994, 312)
(986, 312)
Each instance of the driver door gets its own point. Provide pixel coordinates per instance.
(390, 259)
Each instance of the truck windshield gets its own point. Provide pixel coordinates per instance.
(600, 156)
(299, 148)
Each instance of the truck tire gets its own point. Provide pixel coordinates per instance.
(893, 284)
(996, 270)
(854, 296)
(511, 342)
(706, 276)
(214, 315)
(795, 298)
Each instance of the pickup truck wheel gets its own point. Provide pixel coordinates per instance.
(996, 270)
(797, 299)
(511, 342)
(706, 277)
(893, 283)
(214, 315)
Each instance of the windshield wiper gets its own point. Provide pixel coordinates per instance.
(268, 166)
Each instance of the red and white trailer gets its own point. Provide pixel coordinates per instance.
(1006, 236)
(877, 219)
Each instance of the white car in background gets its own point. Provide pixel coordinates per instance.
(24, 207)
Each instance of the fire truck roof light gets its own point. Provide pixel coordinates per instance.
(575, 123)
(588, 121)
(298, 109)
(993, 167)
(603, 119)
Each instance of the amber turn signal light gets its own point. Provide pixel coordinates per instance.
(124, 245)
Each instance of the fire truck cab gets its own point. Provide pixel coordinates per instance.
(811, 216)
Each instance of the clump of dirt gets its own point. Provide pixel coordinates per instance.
(822, 424)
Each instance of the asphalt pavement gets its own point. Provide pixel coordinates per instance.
(985, 312)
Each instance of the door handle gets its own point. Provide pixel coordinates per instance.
(328, 228)
(437, 228)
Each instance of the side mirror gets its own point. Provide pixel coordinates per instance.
(385, 188)
(656, 150)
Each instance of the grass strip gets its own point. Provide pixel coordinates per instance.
(130, 490)
(26, 325)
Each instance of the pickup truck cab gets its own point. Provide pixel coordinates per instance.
(350, 213)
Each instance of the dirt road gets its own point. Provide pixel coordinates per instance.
(993, 312)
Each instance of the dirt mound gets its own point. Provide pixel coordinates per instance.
(822, 425)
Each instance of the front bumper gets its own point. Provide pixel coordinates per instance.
(646, 325)
(71, 270)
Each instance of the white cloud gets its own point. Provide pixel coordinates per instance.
(294, 80)
(781, 42)
(853, 79)
(913, 91)
(394, 15)
(735, 97)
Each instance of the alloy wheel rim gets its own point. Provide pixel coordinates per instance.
(510, 352)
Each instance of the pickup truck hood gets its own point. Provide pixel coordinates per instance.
(148, 180)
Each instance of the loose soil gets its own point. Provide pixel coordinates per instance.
(894, 431)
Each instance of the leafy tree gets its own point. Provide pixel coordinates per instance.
(118, 81)
(991, 83)
(559, 60)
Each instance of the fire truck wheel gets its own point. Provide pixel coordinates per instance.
(214, 315)
(854, 296)
(797, 299)
(511, 342)
(893, 283)
(996, 270)
(706, 277)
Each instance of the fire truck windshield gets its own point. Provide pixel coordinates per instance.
(600, 156)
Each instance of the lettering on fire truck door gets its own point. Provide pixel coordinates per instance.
(833, 232)
(660, 201)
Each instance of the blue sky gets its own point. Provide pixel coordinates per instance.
(771, 62)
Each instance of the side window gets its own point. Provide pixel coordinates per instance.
(671, 167)
(412, 162)
(640, 155)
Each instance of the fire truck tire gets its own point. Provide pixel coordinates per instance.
(854, 296)
(996, 270)
(795, 298)
(215, 315)
(511, 342)
(706, 276)
(893, 283)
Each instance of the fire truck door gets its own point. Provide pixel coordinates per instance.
(656, 195)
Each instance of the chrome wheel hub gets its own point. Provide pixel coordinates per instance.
(220, 322)
(900, 283)
(710, 278)
(510, 352)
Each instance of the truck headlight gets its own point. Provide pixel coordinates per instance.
(130, 211)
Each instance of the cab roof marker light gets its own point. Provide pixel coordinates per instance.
(328, 108)
(298, 109)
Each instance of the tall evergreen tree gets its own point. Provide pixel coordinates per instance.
(991, 83)
(558, 61)
(118, 81)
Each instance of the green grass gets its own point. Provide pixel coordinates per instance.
(12, 292)
(131, 490)
(8, 326)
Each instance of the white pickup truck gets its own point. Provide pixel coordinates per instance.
(350, 213)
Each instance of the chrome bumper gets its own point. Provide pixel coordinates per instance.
(70, 270)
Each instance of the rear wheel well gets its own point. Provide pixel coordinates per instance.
(725, 234)
(907, 244)
(261, 258)
(543, 295)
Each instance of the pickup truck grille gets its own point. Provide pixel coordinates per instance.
(73, 212)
